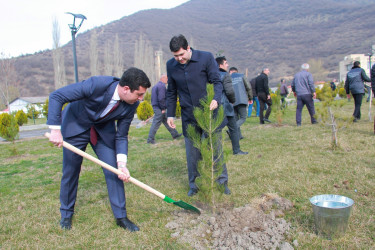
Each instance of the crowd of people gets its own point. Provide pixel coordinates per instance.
(101, 109)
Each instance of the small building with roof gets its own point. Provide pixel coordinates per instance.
(21, 103)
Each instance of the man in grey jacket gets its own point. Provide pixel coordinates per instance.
(227, 99)
(304, 89)
(354, 84)
(244, 96)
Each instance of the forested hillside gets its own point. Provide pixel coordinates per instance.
(279, 34)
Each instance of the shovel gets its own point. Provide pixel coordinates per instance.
(180, 203)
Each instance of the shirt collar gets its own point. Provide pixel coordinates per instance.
(116, 96)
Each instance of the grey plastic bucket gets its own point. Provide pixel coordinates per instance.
(331, 214)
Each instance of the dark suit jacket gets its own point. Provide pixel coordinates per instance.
(190, 81)
(261, 84)
(88, 99)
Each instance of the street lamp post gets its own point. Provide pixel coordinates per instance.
(74, 29)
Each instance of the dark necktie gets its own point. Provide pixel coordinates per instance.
(93, 133)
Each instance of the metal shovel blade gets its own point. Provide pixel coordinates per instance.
(187, 206)
(182, 204)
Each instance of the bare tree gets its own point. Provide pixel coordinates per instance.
(160, 64)
(144, 58)
(94, 55)
(108, 62)
(8, 83)
(117, 58)
(317, 69)
(58, 56)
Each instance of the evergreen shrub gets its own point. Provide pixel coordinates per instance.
(8, 127)
(21, 117)
(144, 111)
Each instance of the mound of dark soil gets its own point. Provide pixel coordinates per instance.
(258, 225)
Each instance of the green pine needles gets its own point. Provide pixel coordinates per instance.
(207, 139)
(329, 113)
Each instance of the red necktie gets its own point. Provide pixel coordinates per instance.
(93, 133)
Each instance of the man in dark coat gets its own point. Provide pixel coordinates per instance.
(354, 84)
(372, 73)
(188, 74)
(263, 93)
(90, 117)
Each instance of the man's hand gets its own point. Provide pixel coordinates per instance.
(314, 95)
(251, 102)
(213, 105)
(170, 122)
(163, 111)
(122, 167)
(56, 137)
(348, 96)
(268, 97)
(295, 94)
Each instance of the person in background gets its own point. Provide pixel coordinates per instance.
(333, 85)
(228, 98)
(158, 101)
(244, 97)
(354, 84)
(372, 73)
(304, 89)
(255, 99)
(283, 92)
(263, 93)
(368, 88)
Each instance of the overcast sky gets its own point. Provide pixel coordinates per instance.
(26, 25)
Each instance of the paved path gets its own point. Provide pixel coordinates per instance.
(30, 131)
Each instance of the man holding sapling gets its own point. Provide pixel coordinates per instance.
(188, 74)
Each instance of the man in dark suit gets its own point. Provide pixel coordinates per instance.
(188, 74)
(90, 117)
(263, 93)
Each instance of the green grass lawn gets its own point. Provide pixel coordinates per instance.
(294, 162)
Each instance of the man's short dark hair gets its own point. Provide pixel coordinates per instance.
(220, 60)
(134, 78)
(178, 42)
(233, 69)
(356, 64)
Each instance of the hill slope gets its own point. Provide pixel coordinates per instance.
(280, 34)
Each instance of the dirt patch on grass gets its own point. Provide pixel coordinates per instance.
(258, 225)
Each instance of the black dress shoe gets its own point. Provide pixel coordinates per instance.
(226, 189)
(266, 120)
(177, 136)
(127, 224)
(241, 153)
(192, 191)
(66, 223)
